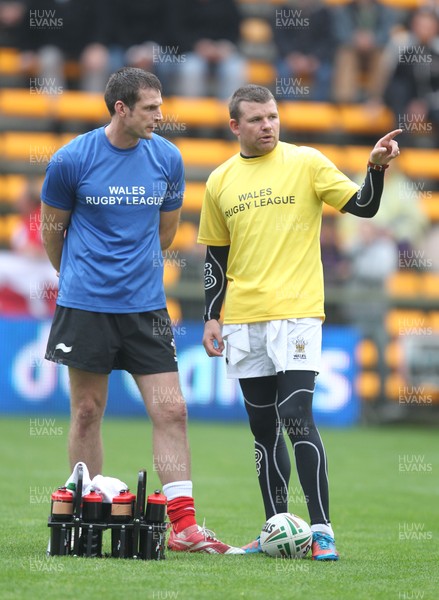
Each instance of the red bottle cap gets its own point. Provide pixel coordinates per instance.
(92, 497)
(124, 497)
(62, 495)
(157, 498)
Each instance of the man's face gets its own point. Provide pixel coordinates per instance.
(143, 118)
(257, 128)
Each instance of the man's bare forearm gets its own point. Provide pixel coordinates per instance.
(54, 223)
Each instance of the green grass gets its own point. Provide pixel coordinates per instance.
(372, 502)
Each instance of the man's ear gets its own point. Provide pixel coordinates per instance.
(234, 126)
(120, 108)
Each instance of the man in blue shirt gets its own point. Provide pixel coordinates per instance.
(111, 203)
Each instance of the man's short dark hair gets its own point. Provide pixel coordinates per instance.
(248, 93)
(125, 84)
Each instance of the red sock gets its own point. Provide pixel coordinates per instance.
(181, 513)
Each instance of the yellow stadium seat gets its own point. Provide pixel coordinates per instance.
(193, 196)
(11, 187)
(179, 111)
(403, 4)
(366, 354)
(356, 118)
(434, 321)
(174, 310)
(171, 272)
(308, 116)
(430, 205)
(394, 385)
(23, 103)
(9, 224)
(404, 284)
(9, 61)
(429, 282)
(207, 153)
(335, 153)
(368, 385)
(185, 238)
(83, 106)
(420, 163)
(256, 31)
(394, 354)
(260, 72)
(35, 148)
(403, 322)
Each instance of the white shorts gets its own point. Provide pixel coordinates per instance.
(270, 347)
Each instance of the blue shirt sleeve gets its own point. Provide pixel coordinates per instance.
(173, 198)
(59, 187)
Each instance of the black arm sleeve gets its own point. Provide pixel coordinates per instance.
(215, 283)
(366, 202)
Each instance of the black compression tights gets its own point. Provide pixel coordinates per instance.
(278, 403)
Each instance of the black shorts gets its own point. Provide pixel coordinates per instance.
(140, 343)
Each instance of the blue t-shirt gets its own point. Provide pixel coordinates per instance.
(112, 260)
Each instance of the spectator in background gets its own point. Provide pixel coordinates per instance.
(304, 37)
(135, 33)
(362, 28)
(205, 59)
(412, 91)
(12, 15)
(26, 270)
(62, 31)
(336, 266)
(373, 255)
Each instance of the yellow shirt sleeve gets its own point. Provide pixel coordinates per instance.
(213, 229)
(331, 185)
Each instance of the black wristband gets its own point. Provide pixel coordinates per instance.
(374, 167)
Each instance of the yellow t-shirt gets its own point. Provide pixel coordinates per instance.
(269, 210)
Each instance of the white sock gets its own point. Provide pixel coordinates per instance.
(177, 488)
(322, 528)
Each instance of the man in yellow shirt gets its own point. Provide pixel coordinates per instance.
(260, 221)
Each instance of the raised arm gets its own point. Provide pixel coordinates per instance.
(366, 202)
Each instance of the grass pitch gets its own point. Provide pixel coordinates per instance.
(384, 499)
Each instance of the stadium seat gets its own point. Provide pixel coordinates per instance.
(430, 205)
(393, 385)
(357, 118)
(194, 112)
(394, 354)
(81, 106)
(174, 310)
(171, 272)
(366, 354)
(256, 31)
(185, 238)
(404, 284)
(368, 385)
(28, 146)
(434, 321)
(193, 197)
(11, 187)
(21, 103)
(9, 61)
(261, 72)
(420, 163)
(208, 153)
(309, 116)
(429, 284)
(400, 322)
(9, 224)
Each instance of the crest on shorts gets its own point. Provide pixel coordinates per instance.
(300, 344)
